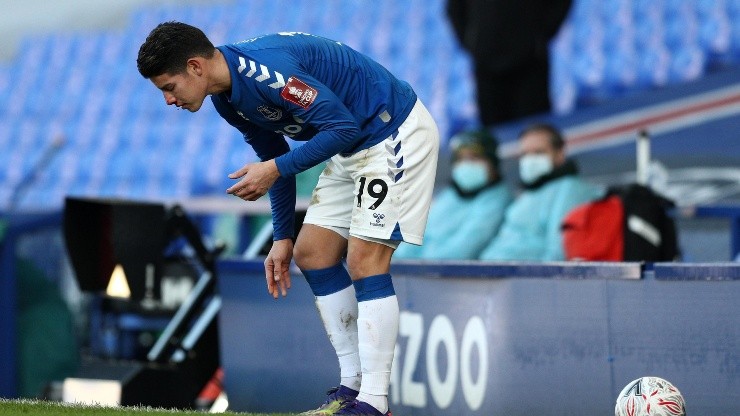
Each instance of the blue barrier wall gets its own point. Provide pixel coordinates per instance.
(509, 339)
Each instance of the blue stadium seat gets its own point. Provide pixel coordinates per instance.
(620, 70)
(714, 32)
(681, 28)
(649, 31)
(687, 64)
(588, 35)
(652, 66)
(563, 87)
(735, 43)
(583, 12)
(588, 67)
(732, 8)
(647, 9)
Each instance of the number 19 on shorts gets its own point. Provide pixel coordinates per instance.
(376, 188)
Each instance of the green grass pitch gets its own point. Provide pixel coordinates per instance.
(37, 407)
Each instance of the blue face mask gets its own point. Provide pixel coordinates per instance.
(533, 167)
(470, 176)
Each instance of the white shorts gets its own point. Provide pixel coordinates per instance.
(384, 192)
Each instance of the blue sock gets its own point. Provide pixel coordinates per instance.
(377, 332)
(337, 306)
(329, 280)
(374, 287)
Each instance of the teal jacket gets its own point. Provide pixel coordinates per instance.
(531, 228)
(459, 228)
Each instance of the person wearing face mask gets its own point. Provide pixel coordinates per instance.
(551, 187)
(467, 213)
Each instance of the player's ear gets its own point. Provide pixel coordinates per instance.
(195, 64)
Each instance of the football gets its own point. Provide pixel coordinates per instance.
(650, 396)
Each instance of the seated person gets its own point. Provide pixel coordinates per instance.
(551, 188)
(467, 213)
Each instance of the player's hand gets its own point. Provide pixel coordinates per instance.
(256, 179)
(277, 267)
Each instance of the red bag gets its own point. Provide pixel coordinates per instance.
(594, 231)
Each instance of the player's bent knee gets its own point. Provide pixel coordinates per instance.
(308, 255)
(303, 256)
(368, 259)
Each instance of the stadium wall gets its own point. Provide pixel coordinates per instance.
(510, 339)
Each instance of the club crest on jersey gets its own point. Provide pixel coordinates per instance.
(298, 92)
(270, 113)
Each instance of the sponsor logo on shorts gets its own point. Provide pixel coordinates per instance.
(378, 220)
(298, 92)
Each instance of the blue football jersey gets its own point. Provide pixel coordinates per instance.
(311, 89)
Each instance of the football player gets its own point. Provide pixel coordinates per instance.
(381, 145)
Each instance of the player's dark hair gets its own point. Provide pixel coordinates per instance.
(169, 46)
(556, 138)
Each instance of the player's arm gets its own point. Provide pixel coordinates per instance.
(336, 127)
(282, 201)
(267, 145)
